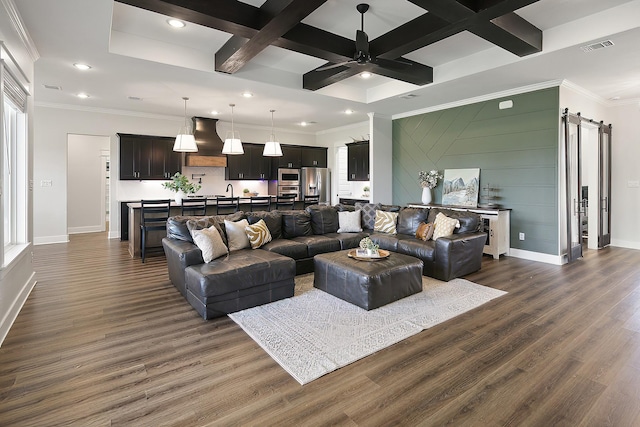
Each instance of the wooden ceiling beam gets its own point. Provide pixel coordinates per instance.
(236, 53)
(314, 80)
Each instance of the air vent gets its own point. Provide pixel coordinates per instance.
(135, 98)
(53, 87)
(409, 96)
(596, 46)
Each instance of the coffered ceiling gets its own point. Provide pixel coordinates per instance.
(272, 49)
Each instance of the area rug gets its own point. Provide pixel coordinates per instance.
(315, 333)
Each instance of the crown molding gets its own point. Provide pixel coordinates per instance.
(482, 98)
(584, 92)
(21, 29)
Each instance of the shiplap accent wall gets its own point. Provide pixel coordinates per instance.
(516, 150)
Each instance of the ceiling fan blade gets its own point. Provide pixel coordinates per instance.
(331, 66)
(362, 42)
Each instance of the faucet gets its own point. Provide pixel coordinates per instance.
(229, 185)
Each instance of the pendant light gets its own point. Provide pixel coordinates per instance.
(272, 146)
(232, 144)
(185, 142)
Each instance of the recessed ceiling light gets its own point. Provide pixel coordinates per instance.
(81, 66)
(83, 95)
(366, 75)
(247, 94)
(214, 113)
(303, 123)
(348, 111)
(176, 23)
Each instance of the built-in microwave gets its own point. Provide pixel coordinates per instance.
(288, 176)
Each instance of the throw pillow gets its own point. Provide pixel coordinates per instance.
(349, 222)
(258, 234)
(424, 231)
(368, 214)
(386, 222)
(444, 226)
(210, 243)
(236, 235)
(202, 223)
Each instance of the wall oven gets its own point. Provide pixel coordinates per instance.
(288, 176)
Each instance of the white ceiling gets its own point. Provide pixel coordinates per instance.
(134, 53)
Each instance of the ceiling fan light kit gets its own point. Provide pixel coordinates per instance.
(185, 141)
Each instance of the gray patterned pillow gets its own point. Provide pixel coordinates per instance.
(368, 214)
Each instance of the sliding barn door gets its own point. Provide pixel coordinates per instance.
(575, 210)
(604, 189)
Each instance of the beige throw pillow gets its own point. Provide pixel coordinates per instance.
(210, 243)
(349, 222)
(444, 225)
(236, 235)
(258, 234)
(386, 222)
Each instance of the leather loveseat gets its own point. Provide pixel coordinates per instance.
(251, 277)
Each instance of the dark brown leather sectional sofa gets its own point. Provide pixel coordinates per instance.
(251, 277)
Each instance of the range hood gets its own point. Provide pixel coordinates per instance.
(209, 144)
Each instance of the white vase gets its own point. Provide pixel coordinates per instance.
(179, 196)
(426, 196)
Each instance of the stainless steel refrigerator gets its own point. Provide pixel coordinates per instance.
(316, 181)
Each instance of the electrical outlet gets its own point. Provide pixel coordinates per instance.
(633, 184)
(46, 183)
(521, 236)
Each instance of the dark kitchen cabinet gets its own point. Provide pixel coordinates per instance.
(358, 166)
(313, 157)
(250, 165)
(148, 157)
(291, 157)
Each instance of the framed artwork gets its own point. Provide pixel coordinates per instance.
(461, 187)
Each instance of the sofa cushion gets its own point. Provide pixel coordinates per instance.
(386, 241)
(290, 248)
(344, 208)
(258, 234)
(318, 244)
(444, 226)
(350, 222)
(296, 223)
(410, 218)
(237, 235)
(242, 269)
(469, 221)
(347, 240)
(324, 219)
(368, 213)
(417, 248)
(273, 220)
(209, 241)
(386, 222)
(177, 228)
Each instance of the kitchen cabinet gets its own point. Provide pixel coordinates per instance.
(358, 161)
(148, 157)
(291, 157)
(250, 165)
(313, 157)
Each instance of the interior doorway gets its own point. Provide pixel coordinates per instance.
(87, 183)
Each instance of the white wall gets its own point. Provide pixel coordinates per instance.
(85, 188)
(53, 124)
(17, 277)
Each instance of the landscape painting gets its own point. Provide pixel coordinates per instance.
(461, 187)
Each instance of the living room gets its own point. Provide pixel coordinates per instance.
(536, 201)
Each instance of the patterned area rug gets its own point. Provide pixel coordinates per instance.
(315, 333)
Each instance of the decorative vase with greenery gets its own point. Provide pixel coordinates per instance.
(369, 246)
(365, 191)
(181, 186)
(428, 181)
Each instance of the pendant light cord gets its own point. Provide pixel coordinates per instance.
(232, 132)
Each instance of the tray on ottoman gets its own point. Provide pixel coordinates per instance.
(368, 285)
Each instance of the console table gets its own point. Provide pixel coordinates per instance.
(496, 222)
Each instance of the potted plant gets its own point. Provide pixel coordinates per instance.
(369, 247)
(181, 186)
(245, 192)
(365, 190)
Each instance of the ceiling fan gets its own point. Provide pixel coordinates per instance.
(362, 55)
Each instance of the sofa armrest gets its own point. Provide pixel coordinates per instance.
(180, 255)
(458, 254)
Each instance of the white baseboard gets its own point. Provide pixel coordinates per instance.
(625, 244)
(46, 240)
(537, 256)
(114, 234)
(86, 229)
(7, 321)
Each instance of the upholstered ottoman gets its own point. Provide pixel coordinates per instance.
(368, 284)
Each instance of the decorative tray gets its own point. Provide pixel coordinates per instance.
(356, 254)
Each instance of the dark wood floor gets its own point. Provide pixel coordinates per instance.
(104, 340)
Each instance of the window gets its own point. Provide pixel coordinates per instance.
(13, 165)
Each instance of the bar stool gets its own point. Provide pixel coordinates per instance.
(285, 201)
(194, 206)
(260, 203)
(226, 205)
(153, 216)
(311, 200)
